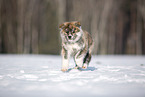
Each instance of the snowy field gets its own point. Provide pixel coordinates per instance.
(40, 76)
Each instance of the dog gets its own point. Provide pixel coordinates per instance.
(76, 43)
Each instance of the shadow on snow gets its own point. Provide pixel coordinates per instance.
(81, 69)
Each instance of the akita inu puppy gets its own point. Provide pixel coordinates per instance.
(76, 43)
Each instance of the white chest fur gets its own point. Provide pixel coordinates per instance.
(73, 46)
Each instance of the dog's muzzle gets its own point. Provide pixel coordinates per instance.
(69, 37)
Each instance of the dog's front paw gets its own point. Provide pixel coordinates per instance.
(76, 67)
(64, 69)
(85, 66)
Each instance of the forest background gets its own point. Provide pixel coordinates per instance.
(31, 26)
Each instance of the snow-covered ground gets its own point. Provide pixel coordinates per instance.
(40, 76)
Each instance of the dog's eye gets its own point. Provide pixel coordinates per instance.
(73, 30)
(67, 32)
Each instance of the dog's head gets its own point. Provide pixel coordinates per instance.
(71, 31)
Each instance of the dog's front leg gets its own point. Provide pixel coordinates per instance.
(79, 58)
(65, 59)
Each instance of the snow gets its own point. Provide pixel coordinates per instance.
(40, 76)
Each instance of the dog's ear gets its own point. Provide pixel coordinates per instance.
(78, 24)
(61, 26)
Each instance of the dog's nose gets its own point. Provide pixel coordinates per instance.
(69, 37)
